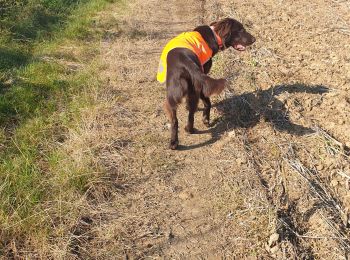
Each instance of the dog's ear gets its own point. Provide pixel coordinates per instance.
(224, 29)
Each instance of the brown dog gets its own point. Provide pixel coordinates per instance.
(185, 62)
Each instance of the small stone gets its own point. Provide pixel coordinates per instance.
(185, 195)
(334, 183)
(273, 239)
(319, 167)
(343, 105)
(241, 161)
(232, 134)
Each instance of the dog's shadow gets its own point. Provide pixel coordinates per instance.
(248, 109)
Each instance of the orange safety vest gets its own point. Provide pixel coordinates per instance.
(189, 40)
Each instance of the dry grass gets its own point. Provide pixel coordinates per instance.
(49, 168)
(183, 204)
(270, 178)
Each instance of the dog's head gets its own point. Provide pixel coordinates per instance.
(233, 34)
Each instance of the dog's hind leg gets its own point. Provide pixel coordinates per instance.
(206, 111)
(170, 110)
(192, 103)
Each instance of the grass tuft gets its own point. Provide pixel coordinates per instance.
(48, 76)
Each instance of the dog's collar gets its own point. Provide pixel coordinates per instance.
(218, 38)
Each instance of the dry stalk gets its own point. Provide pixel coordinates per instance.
(337, 146)
(321, 193)
(305, 236)
(344, 241)
(343, 174)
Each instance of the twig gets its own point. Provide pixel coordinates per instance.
(343, 240)
(320, 191)
(343, 174)
(327, 136)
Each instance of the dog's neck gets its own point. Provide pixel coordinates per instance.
(218, 38)
(209, 36)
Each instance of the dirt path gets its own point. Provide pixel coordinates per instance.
(255, 184)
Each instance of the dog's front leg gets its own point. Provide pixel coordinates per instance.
(174, 128)
(174, 141)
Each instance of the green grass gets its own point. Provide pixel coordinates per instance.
(40, 100)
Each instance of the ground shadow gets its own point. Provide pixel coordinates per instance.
(248, 109)
(11, 58)
(23, 101)
(22, 25)
(36, 19)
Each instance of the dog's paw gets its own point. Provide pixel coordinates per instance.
(190, 130)
(174, 144)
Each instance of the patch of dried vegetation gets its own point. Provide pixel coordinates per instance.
(269, 179)
(291, 93)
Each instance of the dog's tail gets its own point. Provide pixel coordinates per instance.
(203, 82)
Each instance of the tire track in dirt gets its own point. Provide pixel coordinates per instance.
(268, 151)
(286, 244)
(292, 221)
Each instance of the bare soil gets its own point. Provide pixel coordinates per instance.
(269, 179)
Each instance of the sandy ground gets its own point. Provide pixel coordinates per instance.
(269, 179)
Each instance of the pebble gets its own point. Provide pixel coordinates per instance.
(273, 239)
(334, 183)
(319, 167)
(232, 134)
(185, 195)
(241, 161)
